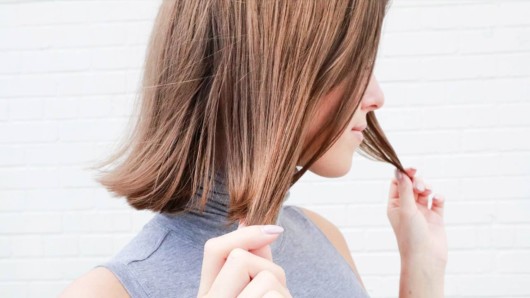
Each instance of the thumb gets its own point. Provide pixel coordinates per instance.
(264, 251)
(405, 191)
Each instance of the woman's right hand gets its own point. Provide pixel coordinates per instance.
(229, 269)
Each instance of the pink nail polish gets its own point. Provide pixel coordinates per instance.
(398, 174)
(271, 229)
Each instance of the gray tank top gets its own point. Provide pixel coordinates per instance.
(164, 259)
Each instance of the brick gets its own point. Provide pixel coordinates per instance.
(11, 156)
(381, 240)
(61, 245)
(30, 269)
(514, 163)
(513, 261)
(367, 215)
(493, 285)
(458, 67)
(20, 178)
(418, 142)
(513, 13)
(95, 245)
(522, 236)
(494, 188)
(461, 237)
(27, 246)
(514, 211)
(26, 109)
(518, 114)
(10, 61)
(28, 132)
(420, 43)
(93, 130)
(469, 212)
(56, 60)
(471, 262)
(5, 247)
(13, 288)
(494, 40)
(42, 223)
(47, 288)
(383, 263)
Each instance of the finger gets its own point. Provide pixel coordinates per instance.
(273, 294)
(423, 189)
(393, 201)
(264, 282)
(264, 251)
(423, 199)
(216, 250)
(438, 204)
(411, 171)
(240, 268)
(419, 184)
(393, 194)
(405, 191)
(428, 186)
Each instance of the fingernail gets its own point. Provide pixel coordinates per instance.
(420, 186)
(398, 174)
(414, 171)
(271, 229)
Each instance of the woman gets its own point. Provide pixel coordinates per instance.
(240, 99)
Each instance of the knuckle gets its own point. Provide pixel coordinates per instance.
(238, 259)
(438, 197)
(282, 275)
(237, 253)
(267, 277)
(210, 245)
(273, 294)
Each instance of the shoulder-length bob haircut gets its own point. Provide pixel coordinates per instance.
(232, 86)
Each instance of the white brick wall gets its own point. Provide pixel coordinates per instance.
(456, 77)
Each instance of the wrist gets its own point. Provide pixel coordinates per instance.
(424, 263)
(417, 286)
(419, 280)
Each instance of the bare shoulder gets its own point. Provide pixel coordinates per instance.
(98, 282)
(335, 237)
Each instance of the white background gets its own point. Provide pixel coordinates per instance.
(456, 77)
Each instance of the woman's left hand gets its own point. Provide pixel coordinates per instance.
(420, 231)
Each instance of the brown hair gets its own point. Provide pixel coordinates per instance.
(232, 86)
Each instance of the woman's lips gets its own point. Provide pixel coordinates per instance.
(358, 134)
(357, 131)
(359, 127)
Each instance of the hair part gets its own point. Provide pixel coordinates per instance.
(232, 86)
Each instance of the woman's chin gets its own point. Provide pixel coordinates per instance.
(335, 170)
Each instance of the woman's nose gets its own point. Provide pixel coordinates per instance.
(373, 98)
